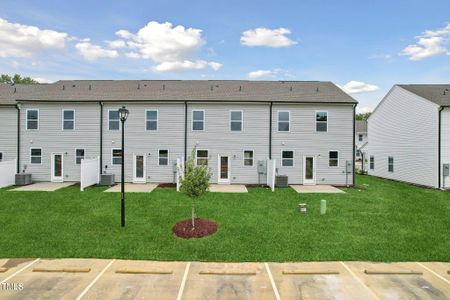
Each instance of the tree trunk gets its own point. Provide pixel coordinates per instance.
(193, 213)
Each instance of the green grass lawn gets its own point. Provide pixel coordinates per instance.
(385, 221)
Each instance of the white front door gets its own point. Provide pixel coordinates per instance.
(309, 170)
(57, 166)
(224, 169)
(139, 168)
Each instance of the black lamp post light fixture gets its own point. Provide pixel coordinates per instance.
(123, 115)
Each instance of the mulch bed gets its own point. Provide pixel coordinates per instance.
(167, 185)
(203, 227)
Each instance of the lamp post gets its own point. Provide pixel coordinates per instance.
(123, 115)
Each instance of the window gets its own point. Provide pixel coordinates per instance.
(1, 156)
(198, 120)
(372, 162)
(163, 157)
(333, 159)
(391, 164)
(116, 157)
(79, 155)
(35, 156)
(358, 152)
(283, 121)
(202, 157)
(248, 158)
(151, 119)
(32, 119)
(68, 119)
(113, 120)
(287, 158)
(236, 120)
(360, 137)
(321, 121)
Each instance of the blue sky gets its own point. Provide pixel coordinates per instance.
(363, 47)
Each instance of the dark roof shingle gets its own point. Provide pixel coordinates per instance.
(436, 93)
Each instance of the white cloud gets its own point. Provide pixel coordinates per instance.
(363, 109)
(267, 37)
(116, 44)
(356, 87)
(91, 52)
(171, 48)
(43, 80)
(259, 74)
(17, 40)
(171, 66)
(430, 43)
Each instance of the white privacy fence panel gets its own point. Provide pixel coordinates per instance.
(7, 173)
(90, 172)
(180, 172)
(271, 165)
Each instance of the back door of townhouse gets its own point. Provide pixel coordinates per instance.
(57, 165)
(139, 168)
(224, 169)
(309, 170)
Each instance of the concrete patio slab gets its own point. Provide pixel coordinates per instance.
(309, 281)
(114, 285)
(228, 188)
(43, 187)
(220, 285)
(321, 188)
(54, 285)
(133, 188)
(401, 286)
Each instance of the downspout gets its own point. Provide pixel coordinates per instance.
(354, 143)
(185, 130)
(101, 136)
(439, 146)
(270, 131)
(18, 107)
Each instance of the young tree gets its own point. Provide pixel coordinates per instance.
(195, 181)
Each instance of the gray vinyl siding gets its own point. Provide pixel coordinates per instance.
(169, 136)
(405, 126)
(218, 139)
(445, 144)
(304, 140)
(52, 139)
(8, 132)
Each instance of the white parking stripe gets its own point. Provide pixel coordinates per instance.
(95, 280)
(275, 289)
(8, 278)
(183, 282)
(360, 280)
(439, 276)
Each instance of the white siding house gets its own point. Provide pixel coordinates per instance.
(409, 134)
(307, 127)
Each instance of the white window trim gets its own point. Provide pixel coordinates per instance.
(204, 120)
(278, 120)
(84, 157)
(38, 118)
(157, 120)
(315, 119)
(196, 151)
(168, 158)
(253, 158)
(62, 119)
(42, 155)
(112, 160)
(338, 164)
(293, 159)
(109, 120)
(242, 120)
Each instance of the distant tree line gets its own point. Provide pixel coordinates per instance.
(16, 79)
(363, 116)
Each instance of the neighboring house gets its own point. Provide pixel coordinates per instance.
(409, 135)
(308, 127)
(360, 136)
(8, 120)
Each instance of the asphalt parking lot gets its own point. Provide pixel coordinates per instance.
(125, 279)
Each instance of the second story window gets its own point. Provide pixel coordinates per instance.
(236, 120)
(151, 119)
(284, 121)
(360, 137)
(113, 120)
(68, 119)
(32, 119)
(321, 121)
(198, 120)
